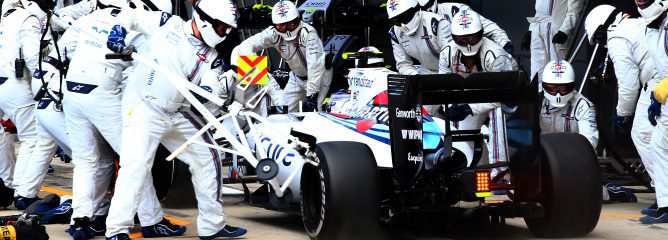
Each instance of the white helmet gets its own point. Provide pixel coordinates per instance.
(600, 17)
(558, 82)
(467, 32)
(152, 5)
(285, 17)
(370, 60)
(215, 19)
(39, 8)
(404, 14)
(284, 11)
(102, 4)
(651, 9)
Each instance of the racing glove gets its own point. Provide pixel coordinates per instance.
(654, 109)
(9, 126)
(459, 112)
(623, 123)
(311, 103)
(559, 38)
(526, 41)
(509, 48)
(116, 39)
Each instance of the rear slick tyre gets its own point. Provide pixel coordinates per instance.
(339, 198)
(571, 187)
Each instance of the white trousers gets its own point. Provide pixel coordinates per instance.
(543, 50)
(24, 118)
(659, 145)
(144, 128)
(641, 133)
(94, 119)
(53, 122)
(7, 157)
(44, 150)
(16, 101)
(295, 91)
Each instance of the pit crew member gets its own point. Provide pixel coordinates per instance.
(550, 31)
(566, 110)
(625, 40)
(471, 52)
(161, 115)
(299, 45)
(654, 12)
(447, 10)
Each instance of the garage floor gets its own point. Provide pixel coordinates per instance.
(618, 221)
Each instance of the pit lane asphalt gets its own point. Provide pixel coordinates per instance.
(617, 221)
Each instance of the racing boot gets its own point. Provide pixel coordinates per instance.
(6, 195)
(661, 216)
(120, 236)
(651, 210)
(163, 229)
(99, 225)
(620, 194)
(227, 231)
(81, 229)
(21, 203)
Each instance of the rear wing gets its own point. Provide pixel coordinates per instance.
(452, 88)
(408, 93)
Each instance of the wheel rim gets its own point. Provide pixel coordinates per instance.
(313, 192)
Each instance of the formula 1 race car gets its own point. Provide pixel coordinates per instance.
(376, 155)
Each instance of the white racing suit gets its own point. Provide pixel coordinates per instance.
(92, 105)
(579, 116)
(657, 43)
(21, 30)
(636, 75)
(490, 29)
(551, 17)
(425, 45)
(304, 55)
(492, 59)
(158, 113)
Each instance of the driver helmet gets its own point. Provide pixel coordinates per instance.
(651, 9)
(405, 14)
(467, 32)
(286, 19)
(558, 83)
(371, 62)
(215, 19)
